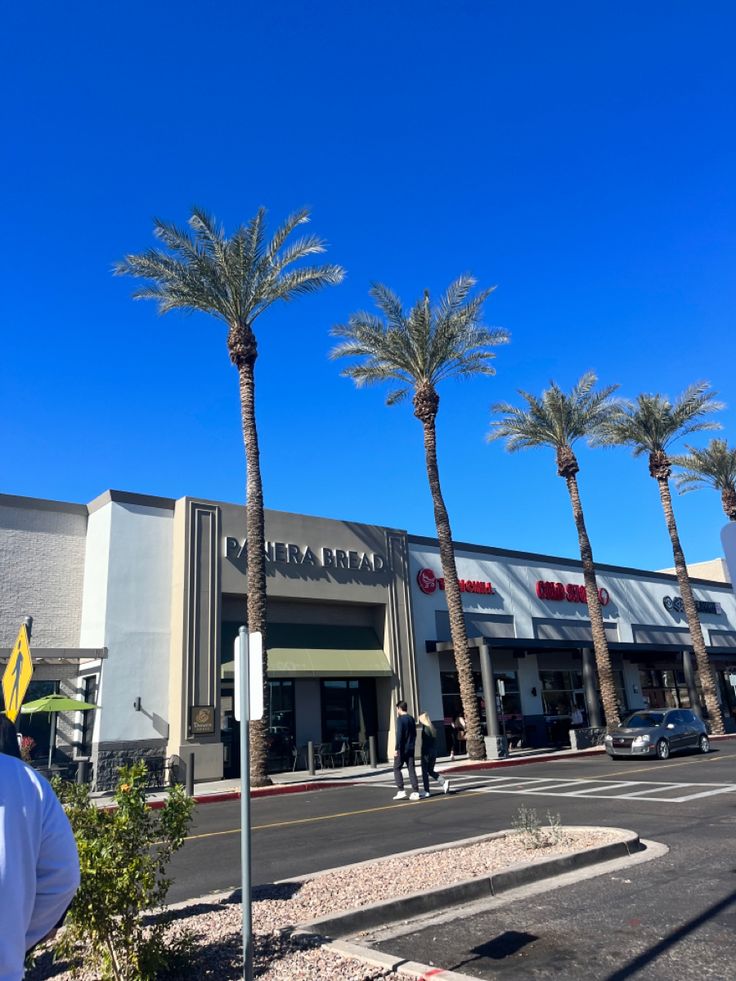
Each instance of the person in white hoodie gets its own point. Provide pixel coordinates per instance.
(39, 865)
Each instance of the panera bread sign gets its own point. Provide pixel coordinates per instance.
(287, 553)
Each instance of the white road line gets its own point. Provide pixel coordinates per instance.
(607, 786)
(708, 793)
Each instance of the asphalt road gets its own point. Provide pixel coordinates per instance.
(674, 917)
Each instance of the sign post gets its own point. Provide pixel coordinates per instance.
(248, 705)
(18, 673)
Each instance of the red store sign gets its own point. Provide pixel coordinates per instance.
(428, 582)
(572, 592)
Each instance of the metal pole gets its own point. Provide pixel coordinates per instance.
(190, 775)
(52, 738)
(245, 805)
(28, 621)
(310, 757)
(372, 751)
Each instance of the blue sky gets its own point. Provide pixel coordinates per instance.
(579, 156)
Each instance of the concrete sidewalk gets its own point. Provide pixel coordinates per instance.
(298, 781)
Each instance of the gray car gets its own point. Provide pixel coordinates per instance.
(658, 732)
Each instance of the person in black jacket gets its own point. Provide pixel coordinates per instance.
(406, 737)
(428, 752)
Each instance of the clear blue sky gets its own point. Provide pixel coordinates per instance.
(579, 155)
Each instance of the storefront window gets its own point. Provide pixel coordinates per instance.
(508, 704)
(281, 728)
(664, 688)
(38, 725)
(348, 709)
(89, 694)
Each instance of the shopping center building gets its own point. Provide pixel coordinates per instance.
(136, 602)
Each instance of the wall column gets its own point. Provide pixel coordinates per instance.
(489, 690)
(590, 685)
(687, 670)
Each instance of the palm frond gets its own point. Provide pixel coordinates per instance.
(557, 419)
(712, 466)
(421, 346)
(651, 423)
(235, 278)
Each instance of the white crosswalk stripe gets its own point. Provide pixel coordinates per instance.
(670, 792)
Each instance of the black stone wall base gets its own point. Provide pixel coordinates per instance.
(108, 760)
(585, 738)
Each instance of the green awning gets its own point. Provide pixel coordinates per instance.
(308, 650)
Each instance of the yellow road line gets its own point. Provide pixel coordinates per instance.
(311, 820)
(437, 797)
(667, 766)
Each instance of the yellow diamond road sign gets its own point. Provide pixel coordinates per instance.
(17, 675)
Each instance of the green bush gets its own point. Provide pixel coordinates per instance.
(123, 854)
(527, 825)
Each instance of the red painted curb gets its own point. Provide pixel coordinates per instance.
(301, 788)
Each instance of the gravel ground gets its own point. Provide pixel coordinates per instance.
(216, 925)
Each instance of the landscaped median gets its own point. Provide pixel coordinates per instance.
(294, 920)
(429, 879)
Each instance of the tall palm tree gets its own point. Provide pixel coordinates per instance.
(418, 350)
(650, 425)
(714, 466)
(559, 420)
(235, 280)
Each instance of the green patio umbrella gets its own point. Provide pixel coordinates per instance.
(53, 704)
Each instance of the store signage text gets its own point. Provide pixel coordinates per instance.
(572, 592)
(428, 582)
(326, 558)
(674, 604)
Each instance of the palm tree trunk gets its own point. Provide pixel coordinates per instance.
(458, 633)
(600, 643)
(705, 668)
(728, 500)
(256, 581)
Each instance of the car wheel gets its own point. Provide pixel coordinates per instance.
(704, 744)
(663, 749)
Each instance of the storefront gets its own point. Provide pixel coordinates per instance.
(137, 601)
(155, 589)
(527, 614)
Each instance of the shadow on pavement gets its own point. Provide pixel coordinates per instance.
(638, 963)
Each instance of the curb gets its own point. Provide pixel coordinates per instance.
(388, 962)
(416, 904)
(310, 785)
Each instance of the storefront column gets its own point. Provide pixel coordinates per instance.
(687, 670)
(495, 745)
(590, 684)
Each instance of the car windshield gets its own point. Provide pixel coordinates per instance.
(644, 720)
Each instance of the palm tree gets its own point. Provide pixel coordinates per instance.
(418, 350)
(235, 280)
(558, 420)
(714, 466)
(650, 425)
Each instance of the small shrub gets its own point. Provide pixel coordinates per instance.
(528, 826)
(123, 854)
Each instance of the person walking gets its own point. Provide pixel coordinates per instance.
(9, 742)
(429, 755)
(406, 737)
(39, 866)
